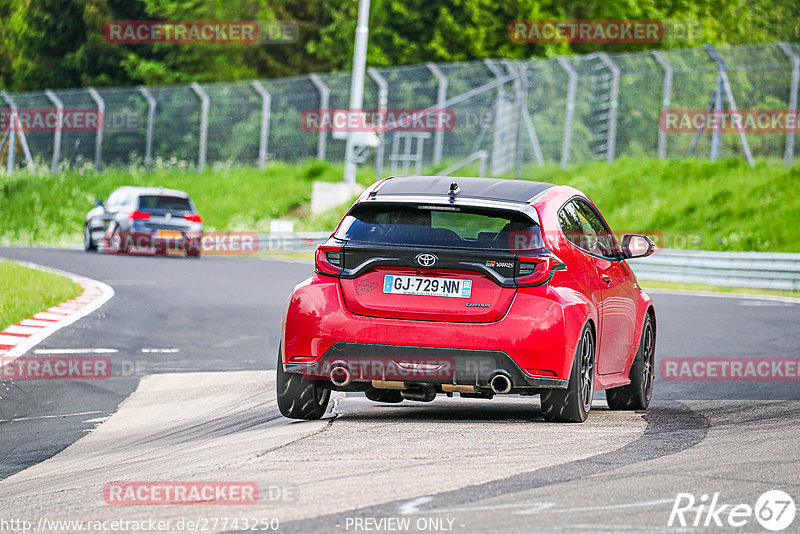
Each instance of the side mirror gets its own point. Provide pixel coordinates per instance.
(98, 203)
(637, 246)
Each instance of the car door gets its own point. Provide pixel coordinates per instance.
(616, 309)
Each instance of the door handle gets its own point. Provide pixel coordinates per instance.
(606, 279)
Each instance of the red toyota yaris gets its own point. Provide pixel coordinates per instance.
(473, 286)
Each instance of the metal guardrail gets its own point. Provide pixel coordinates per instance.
(734, 269)
(296, 242)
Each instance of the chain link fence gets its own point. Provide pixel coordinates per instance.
(508, 114)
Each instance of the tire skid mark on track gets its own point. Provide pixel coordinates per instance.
(330, 420)
(659, 439)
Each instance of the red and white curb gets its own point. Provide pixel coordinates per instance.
(19, 338)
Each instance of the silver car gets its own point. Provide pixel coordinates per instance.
(144, 219)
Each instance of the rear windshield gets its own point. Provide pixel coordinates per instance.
(158, 202)
(444, 227)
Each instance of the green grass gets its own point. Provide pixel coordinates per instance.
(41, 209)
(25, 292)
(688, 203)
(692, 203)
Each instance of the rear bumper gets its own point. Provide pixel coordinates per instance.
(142, 239)
(534, 343)
(432, 365)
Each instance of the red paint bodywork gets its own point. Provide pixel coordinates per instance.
(538, 327)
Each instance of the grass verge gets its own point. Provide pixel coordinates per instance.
(25, 292)
(42, 209)
(683, 203)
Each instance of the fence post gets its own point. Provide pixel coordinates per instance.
(441, 97)
(383, 101)
(612, 113)
(204, 105)
(569, 112)
(266, 103)
(666, 97)
(499, 147)
(57, 134)
(788, 154)
(12, 139)
(716, 136)
(521, 96)
(151, 117)
(324, 102)
(98, 140)
(722, 69)
(12, 134)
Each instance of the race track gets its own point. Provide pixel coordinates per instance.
(201, 339)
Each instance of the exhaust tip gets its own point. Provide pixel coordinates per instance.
(339, 375)
(501, 383)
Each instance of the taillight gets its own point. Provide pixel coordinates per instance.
(328, 260)
(139, 215)
(537, 270)
(193, 217)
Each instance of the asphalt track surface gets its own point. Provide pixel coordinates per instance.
(195, 341)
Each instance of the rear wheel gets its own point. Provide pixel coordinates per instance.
(116, 244)
(299, 398)
(193, 250)
(572, 405)
(637, 394)
(392, 396)
(88, 243)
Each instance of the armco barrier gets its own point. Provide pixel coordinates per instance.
(296, 242)
(734, 269)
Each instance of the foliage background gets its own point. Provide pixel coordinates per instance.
(59, 43)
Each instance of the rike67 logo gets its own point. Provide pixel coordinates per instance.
(774, 510)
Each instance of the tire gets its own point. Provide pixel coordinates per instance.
(637, 394)
(193, 250)
(88, 244)
(391, 396)
(116, 244)
(572, 405)
(299, 398)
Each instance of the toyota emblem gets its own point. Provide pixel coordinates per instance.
(426, 260)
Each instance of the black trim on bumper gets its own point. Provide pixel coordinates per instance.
(459, 366)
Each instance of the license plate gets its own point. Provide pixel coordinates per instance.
(168, 234)
(427, 286)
